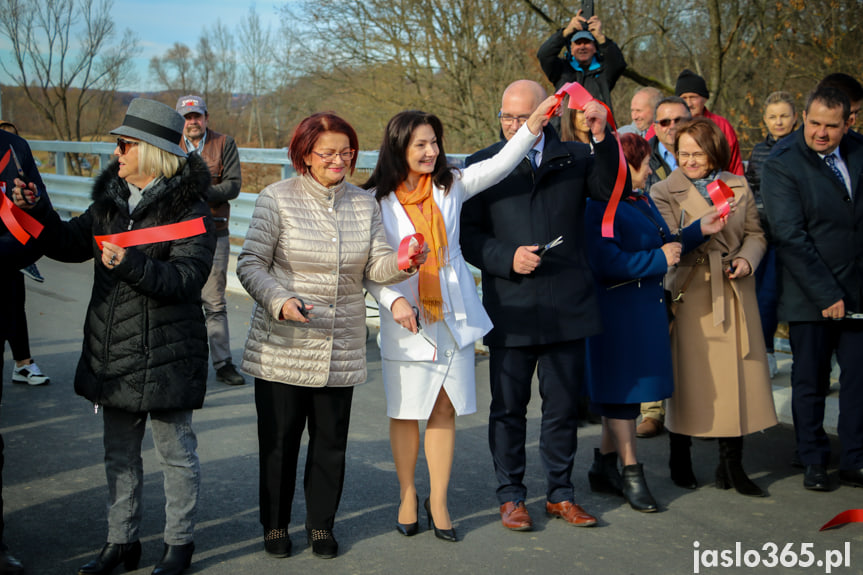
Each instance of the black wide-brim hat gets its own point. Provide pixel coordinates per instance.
(155, 123)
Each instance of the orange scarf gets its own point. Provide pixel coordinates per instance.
(426, 217)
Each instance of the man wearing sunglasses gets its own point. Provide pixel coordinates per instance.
(670, 113)
(220, 153)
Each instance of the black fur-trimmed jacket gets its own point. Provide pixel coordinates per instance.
(145, 341)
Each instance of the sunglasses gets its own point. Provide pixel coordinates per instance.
(665, 122)
(125, 144)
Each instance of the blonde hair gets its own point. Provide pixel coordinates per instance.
(156, 162)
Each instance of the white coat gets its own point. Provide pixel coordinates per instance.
(464, 316)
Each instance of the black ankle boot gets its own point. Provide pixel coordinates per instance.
(277, 543)
(112, 555)
(635, 489)
(324, 545)
(730, 472)
(175, 559)
(680, 461)
(603, 475)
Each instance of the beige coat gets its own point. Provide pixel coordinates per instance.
(317, 244)
(721, 384)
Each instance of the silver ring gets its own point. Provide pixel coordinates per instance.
(113, 259)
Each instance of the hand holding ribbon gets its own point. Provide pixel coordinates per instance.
(580, 99)
(412, 252)
(20, 224)
(722, 197)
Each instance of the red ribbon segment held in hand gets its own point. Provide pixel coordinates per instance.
(720, 193)
(155, 234)
(405, 261)
(19, 223)
(578, 99)
(848, 516)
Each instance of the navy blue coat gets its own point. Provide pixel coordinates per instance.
(630, 361)
(13, 254)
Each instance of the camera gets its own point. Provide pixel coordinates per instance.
(587, 9)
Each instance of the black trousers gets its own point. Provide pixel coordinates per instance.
(813, 344)
(15, 320)
(283, 411)
(560, 370)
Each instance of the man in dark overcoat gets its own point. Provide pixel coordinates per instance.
(542, 308)
(811, 186)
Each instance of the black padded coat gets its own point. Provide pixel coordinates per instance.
(145, 340)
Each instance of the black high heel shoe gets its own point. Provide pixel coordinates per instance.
(409, 529)
(111, 556)
(445, 534)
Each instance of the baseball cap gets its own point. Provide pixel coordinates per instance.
(191, 103)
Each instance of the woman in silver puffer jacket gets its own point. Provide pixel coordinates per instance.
(311, 242)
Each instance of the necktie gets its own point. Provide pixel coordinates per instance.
(531, 155)
(831, 163)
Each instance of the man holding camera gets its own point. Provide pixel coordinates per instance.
(591, 59)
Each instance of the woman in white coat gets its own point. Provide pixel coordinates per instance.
(429, 323)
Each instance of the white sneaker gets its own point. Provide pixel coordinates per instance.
(29, 374)
(771, 365)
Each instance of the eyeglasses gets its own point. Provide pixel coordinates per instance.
(665, 122)
(697, 156)
(125, 145)
(509, 118)
(330, 157)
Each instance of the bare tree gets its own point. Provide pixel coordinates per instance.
(63, 60)
(376, 57)
(175, 69)
(256, 57)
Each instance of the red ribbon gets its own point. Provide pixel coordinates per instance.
(405, 261)
(720, 193)
(19, 223)
(578, 99)
(848, 516)
(156, 234)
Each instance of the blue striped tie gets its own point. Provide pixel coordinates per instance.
(831, 163)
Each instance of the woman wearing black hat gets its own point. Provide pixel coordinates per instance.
(145, 341)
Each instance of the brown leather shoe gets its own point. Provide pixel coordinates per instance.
(571, 512)
(515, 516)
(649, 427)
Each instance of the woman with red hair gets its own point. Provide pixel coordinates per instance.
(630, 361)
(312, 241)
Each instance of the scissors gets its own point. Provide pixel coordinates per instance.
(21, 177)
(420, 328)
(553, 243)
(303, 309)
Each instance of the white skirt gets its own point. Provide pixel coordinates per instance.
(412, 387)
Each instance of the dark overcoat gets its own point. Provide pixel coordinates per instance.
(556, 303)
(816, 227)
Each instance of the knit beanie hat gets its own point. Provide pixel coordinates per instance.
(689, 81)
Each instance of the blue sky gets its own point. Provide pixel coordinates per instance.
(160, 23)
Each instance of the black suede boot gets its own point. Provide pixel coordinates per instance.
(603, 474)
(680, 461)
(635, 489)
(730, 472)
(111, 556)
